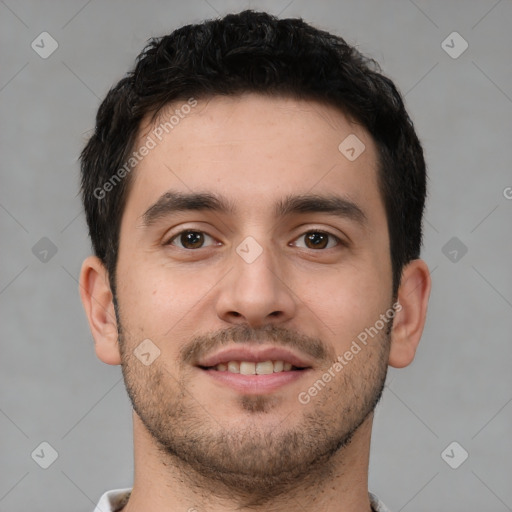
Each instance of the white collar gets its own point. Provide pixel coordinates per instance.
(111, 500)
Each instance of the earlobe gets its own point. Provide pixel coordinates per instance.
(98, 303)
(409, 321)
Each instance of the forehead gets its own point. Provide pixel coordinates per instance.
(254, 149)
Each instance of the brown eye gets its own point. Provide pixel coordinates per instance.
(190, 239)
(318, 240)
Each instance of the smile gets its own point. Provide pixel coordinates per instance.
(255, 368)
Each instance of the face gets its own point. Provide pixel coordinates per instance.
(253, 255)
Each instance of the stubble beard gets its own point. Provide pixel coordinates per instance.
(247, 462)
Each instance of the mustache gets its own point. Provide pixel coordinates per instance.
(202, 345)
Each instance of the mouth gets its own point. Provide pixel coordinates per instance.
(255, 370)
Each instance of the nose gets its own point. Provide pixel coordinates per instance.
(256, 292)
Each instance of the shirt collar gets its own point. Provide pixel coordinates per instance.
(111, 500)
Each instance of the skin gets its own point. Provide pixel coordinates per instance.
(199, 443)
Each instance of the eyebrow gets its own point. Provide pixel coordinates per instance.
(312, 203)
(173, 202)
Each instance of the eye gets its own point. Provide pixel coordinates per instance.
(318, 240)
(190, 239)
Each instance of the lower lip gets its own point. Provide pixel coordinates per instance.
(256, 384)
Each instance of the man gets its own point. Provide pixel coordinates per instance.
(254, 192)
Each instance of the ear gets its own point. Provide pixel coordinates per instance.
(411, 312)
(98, 303)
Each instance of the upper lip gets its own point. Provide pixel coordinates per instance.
(255, 354)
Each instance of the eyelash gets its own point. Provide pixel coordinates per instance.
(338, 241)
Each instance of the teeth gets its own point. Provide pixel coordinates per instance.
(264, 368)
(250, 368)
(278, 366)
(247, 368)
(233, 367)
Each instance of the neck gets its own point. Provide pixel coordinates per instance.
(161, 482)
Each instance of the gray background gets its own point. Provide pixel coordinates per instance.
(459, 388)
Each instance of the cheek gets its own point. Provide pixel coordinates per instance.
(345, 303)
(157, 298)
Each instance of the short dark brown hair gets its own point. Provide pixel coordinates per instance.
(255, 52)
